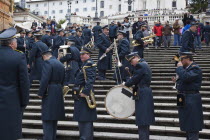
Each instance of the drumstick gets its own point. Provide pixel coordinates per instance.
(127, 69)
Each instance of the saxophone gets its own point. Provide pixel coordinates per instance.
(91, 98)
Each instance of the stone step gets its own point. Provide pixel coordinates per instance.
(73, 135)
(164, 106)
(113, 126)
(158, 113)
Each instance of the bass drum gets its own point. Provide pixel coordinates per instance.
(119, 102)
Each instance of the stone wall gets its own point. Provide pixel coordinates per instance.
(6, 9)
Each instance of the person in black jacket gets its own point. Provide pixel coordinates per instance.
(14, 86)
(83, 114)
(51, 93)
(47, 38)
(35, 60)
(57, 42)
(188, 39)
(207, 33)
(123, 49)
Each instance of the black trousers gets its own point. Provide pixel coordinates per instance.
(86, 130)
(50, 129)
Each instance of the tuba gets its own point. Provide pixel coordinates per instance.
(63, 53)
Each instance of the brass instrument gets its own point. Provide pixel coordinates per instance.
(119, 64)
(61, 54)
(90, 44)
(66, 90)
(147, 39)
(110, 48)
(91, 98)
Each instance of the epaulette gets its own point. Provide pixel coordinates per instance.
(19, 51)
(90, 64)
(194, 65)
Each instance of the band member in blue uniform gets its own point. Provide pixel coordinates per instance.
(51, 93)
(79, 40)
(57, 42)
(21, 41)
(112, 31)
(142, 94)
(138, 37)
(123, 49)
(103, 44)
(84, 82)
(35, 60)
(189, 99)
(87, 34)
(96, 31)
(188, 39)
(14, 86)
(47, 38)
(72, 58)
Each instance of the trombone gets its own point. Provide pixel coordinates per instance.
(110, 48)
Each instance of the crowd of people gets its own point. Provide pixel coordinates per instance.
(59, 57)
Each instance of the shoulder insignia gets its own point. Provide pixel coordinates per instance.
(194, 65)
(19, 51)
(89, 61)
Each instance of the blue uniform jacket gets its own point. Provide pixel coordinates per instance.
(96, 31)
(145, 105)
(188, 41)
(123, 50)
(191, 115)
(79, 42)
(35, 60)
(20, 44)
(51, 89)
(140, 48)
(73, 64)
(81, 110)
(113, 31)
(47, 40)
(87, 35)
(14, 92)
(58, 41)
(103, 43)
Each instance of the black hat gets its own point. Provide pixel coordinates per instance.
(122, 32)
(79, 29)
(207, 22)
(47, 51)
(106, 26)
(130, 56)
(8, 34)
(48, 30)
(85, 50)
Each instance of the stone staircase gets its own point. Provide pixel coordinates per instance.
(109, 128)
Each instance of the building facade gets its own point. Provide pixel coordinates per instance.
(6, 11)
(58, 8)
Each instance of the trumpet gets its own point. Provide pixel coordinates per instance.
(110, 48)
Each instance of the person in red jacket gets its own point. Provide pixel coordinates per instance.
(158, 31)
